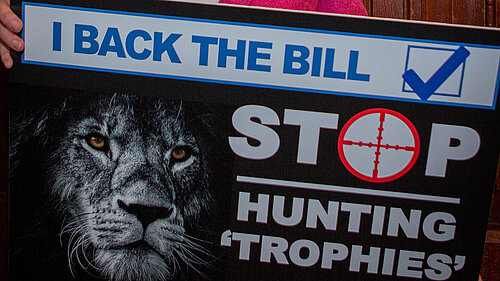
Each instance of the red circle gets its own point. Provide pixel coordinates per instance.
(398, 115)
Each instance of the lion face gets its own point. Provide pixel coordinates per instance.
(131, 175)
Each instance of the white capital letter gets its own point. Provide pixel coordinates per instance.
(268, 139)
(310, 124)
(440, 149)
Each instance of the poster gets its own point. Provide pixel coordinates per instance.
(174, 141)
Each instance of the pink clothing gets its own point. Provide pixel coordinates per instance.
(353, 7)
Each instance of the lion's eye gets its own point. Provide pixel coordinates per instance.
(180, 154)
(97, 141)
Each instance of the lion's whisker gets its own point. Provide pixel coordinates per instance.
(190, 264)
(87, 241)
(73, 245)
(195, 246)
(197, 239)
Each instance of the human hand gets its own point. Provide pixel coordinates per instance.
(10, 24)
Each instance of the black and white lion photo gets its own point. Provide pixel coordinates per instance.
(115, 187)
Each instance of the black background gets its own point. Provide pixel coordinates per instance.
(472, 181)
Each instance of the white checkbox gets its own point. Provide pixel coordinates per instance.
(426, 61)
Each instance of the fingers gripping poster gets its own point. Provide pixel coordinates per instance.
(172, 141)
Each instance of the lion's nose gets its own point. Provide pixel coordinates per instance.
(145, 214)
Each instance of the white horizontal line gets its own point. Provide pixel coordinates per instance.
(351, 190)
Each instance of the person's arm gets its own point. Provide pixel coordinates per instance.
(10, 24)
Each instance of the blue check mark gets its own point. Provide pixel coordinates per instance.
(425, 90)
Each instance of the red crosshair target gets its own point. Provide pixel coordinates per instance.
(378, 145)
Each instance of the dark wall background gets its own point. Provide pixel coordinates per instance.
(473, 12)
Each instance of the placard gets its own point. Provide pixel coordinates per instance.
(175, 141)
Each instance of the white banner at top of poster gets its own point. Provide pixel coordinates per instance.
(328, 62)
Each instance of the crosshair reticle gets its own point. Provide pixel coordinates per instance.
(378, 145)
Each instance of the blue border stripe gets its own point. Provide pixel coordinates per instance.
(22, 33)
(259, 25)
(256, 85)
(498, 85)
(24, 4)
